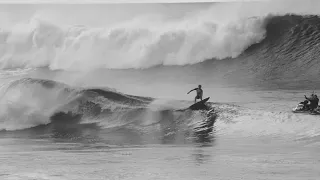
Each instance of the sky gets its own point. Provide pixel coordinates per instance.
(119, 1)
(97, 15)
(93, 15)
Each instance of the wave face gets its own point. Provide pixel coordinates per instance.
(31, 102)
(41, 106)
(289, 51)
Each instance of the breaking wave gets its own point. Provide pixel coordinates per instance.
(273, 43)
(289, 40)
(138, 44)
(30, 104)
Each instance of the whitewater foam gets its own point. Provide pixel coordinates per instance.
(130, 47)
(27, 103)
(219, 32)
(140, 43)
(257, 123)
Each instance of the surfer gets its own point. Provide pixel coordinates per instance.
(199, 93)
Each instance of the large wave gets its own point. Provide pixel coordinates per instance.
(140, 43)
(224, 31)
(48, 107)
(30, 102)
(80, 48)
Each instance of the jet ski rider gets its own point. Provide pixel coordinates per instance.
(304, 105)
(314, 101)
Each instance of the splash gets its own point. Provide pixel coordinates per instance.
(138, 43)
(221, 31)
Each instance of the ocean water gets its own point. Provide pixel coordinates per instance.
(99, 91)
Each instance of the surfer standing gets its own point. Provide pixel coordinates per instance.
(199, 93)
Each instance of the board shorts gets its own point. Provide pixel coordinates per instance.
(198, 97)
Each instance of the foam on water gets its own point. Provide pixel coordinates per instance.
(255, 123)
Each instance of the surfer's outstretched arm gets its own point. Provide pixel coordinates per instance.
(191, 90)
(307, 98)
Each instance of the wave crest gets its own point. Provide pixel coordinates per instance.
(139, 44)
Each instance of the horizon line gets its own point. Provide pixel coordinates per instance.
(122, 1)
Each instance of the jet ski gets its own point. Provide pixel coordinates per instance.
(303, 108)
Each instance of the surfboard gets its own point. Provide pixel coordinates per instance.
(199, 105)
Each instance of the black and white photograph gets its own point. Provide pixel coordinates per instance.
(159, 90)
